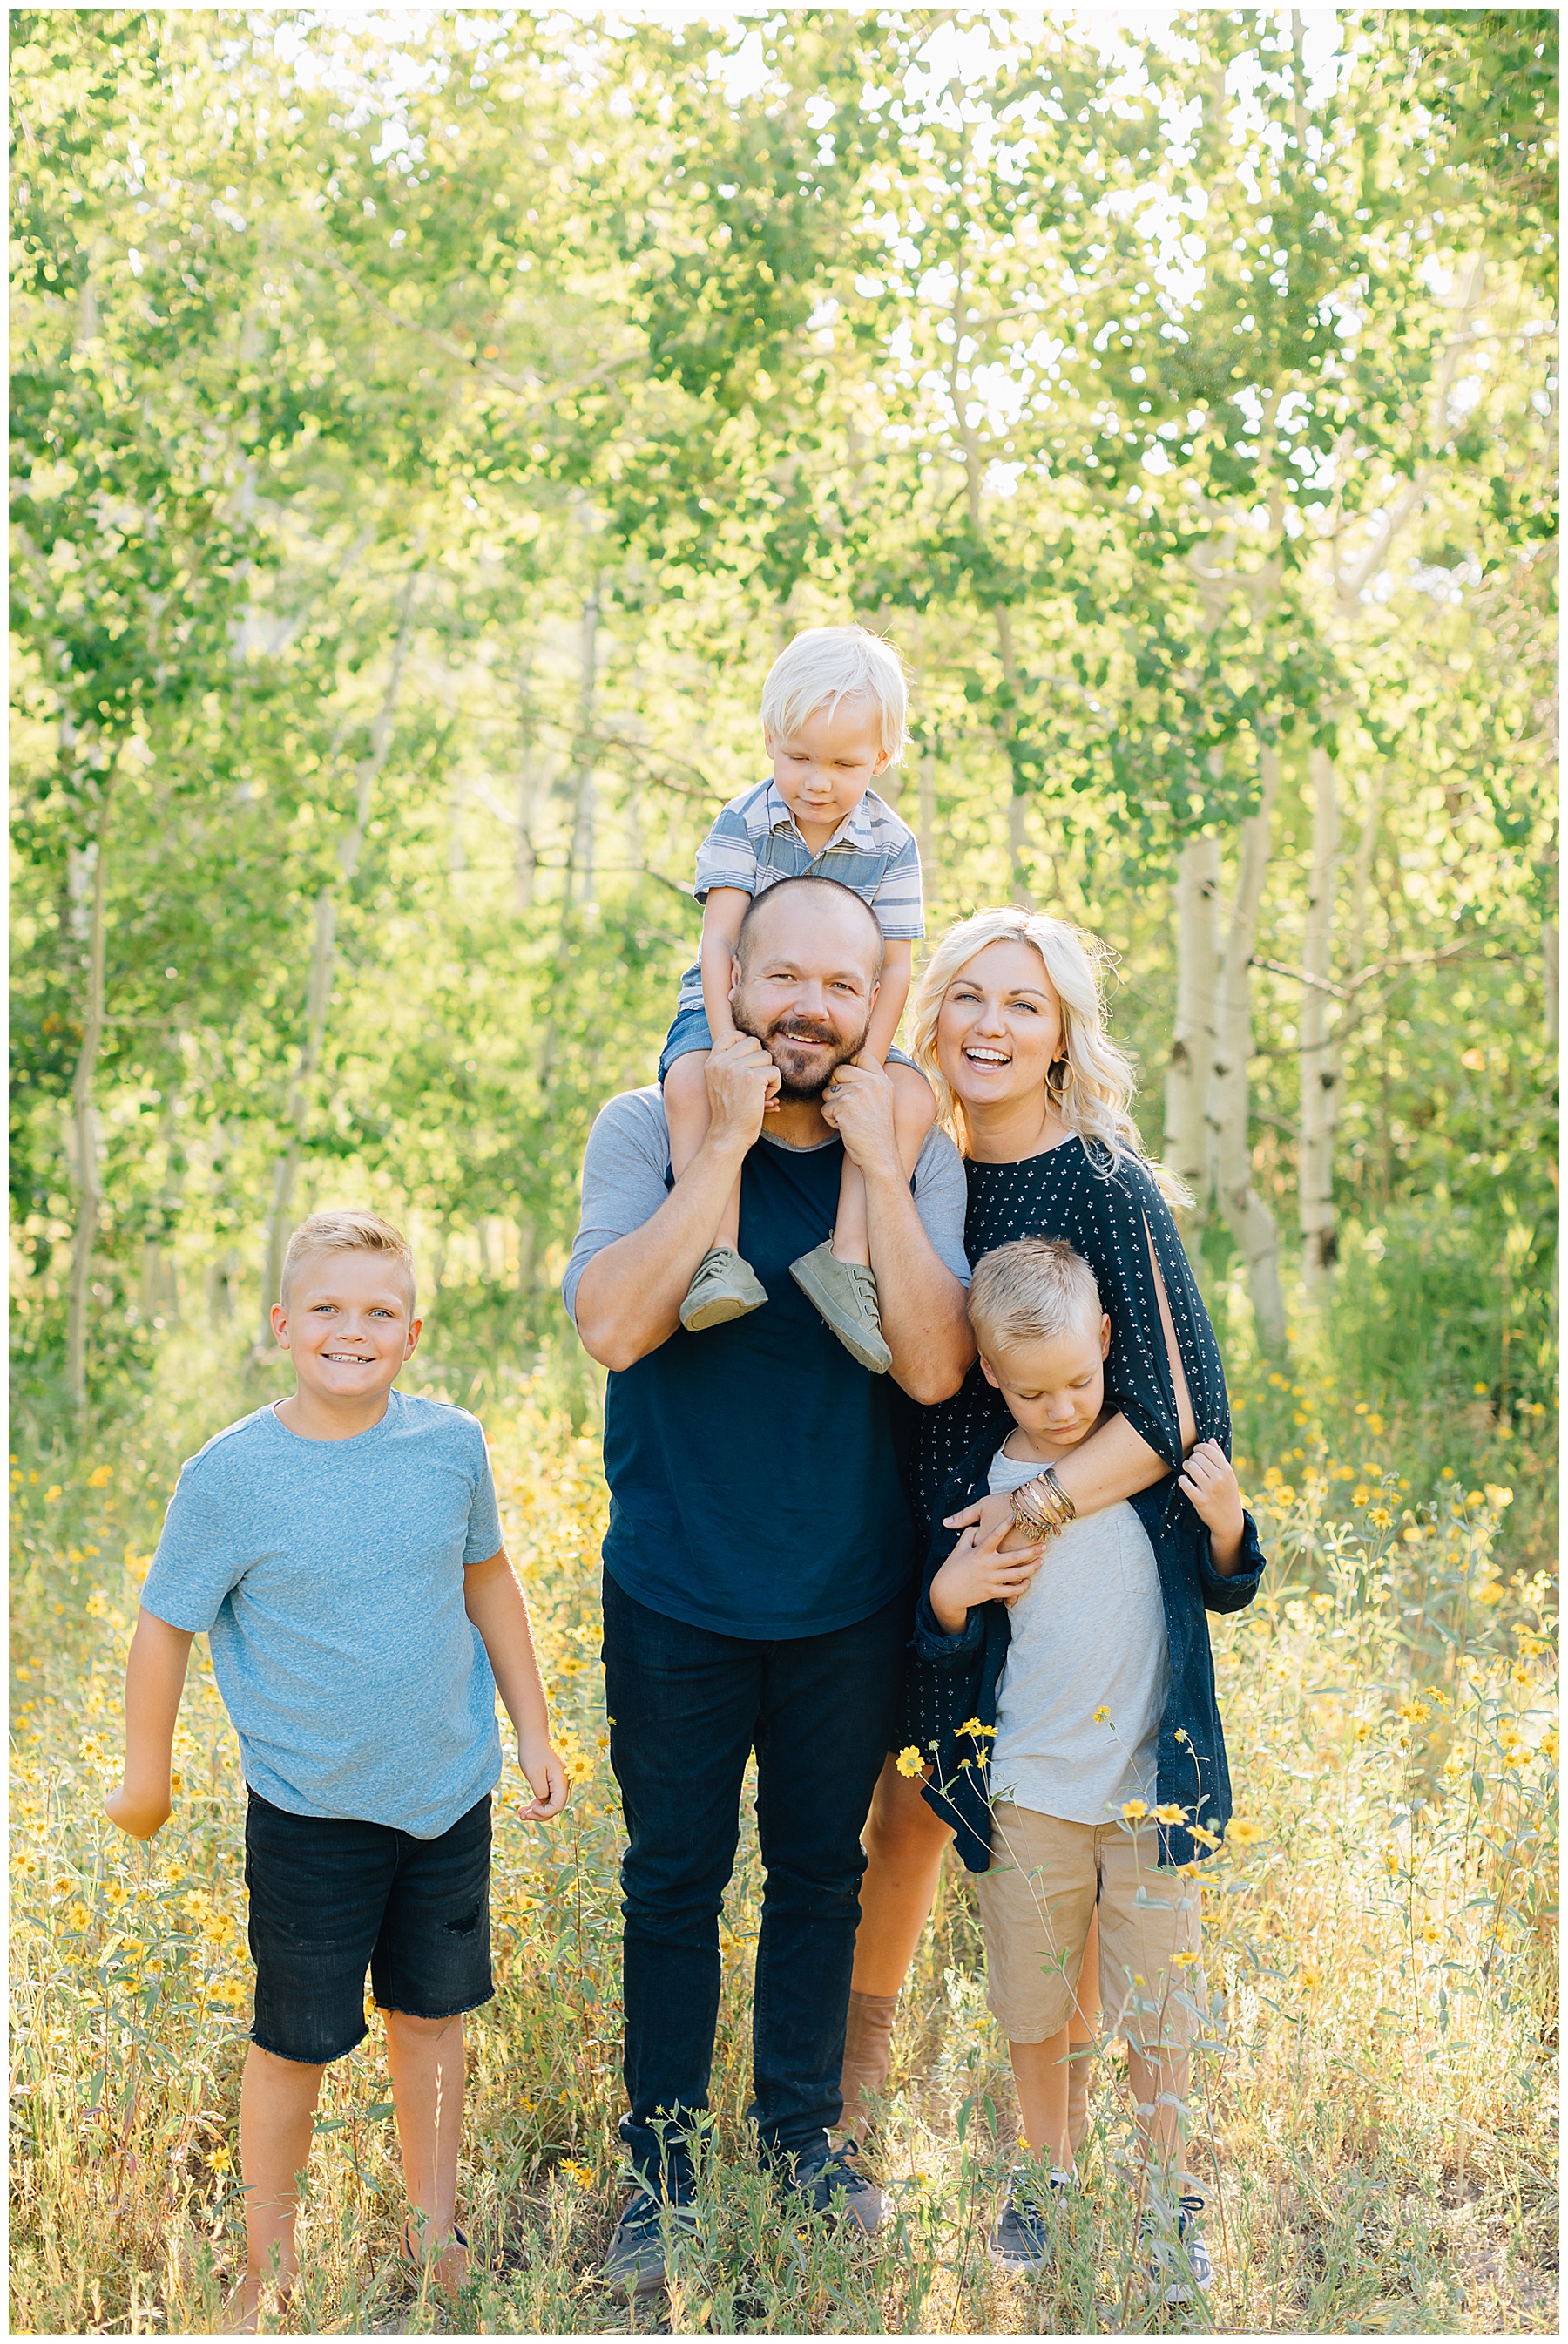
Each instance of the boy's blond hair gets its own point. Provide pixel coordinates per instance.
(1034, 1290)
(825, 665)
(347, 1231)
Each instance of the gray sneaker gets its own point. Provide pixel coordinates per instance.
(635, 2264)
(1021, 2239)
(723, 1287)
(831, 2182)
(1177, 2270)
(845, 1292)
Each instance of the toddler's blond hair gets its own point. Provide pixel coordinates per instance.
(349, 1230)
(826, 665)
(1034, 1290)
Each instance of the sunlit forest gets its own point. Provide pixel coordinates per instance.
(428, 426)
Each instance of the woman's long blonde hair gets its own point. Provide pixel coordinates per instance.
(1095, 1102)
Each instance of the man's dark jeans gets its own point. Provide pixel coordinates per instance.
(686, 1708)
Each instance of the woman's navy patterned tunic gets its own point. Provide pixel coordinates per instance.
(1068, 1193)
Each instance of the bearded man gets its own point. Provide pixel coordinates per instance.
(761, 1560)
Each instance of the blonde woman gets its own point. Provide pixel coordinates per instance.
(1010, 1027)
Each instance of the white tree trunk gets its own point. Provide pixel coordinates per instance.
(1319, 1056)
(580, 852)
(1017, 807)
(1548, 978)
(1196, 974)
(927, 805)
(1247, 1217)
(84, 1121)
(525, 855)
(318, 987)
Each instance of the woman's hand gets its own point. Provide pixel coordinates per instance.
(986, 1517)
(1210, 1481)
(978, 1571)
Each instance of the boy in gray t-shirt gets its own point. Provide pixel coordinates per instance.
(1079, 1711)
(343, 1551)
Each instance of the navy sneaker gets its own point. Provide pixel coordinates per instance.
(1177, 2272)
(1021, 2239)
(635, 2264)
(831, 2182)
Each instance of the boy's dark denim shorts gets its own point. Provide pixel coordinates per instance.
(691, 1032)
(331, 1898)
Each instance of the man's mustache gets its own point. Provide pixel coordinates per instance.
(800, 1029)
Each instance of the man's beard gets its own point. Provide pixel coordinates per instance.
(796, 1080)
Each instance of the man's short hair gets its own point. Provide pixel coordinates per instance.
(785, 887)
(347, 1231)
(825, 665)
(1034, 1290)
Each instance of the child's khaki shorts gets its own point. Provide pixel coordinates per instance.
(1045, 1880)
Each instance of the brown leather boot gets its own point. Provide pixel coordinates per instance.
(868, 2054)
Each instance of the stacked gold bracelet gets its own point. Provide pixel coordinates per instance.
(1042, 1509)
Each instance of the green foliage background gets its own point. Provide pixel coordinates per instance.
(1166, 399)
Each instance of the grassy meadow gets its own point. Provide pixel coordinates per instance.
(1376, 2129)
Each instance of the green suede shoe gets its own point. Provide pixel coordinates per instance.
(845, 1295)
(723, 1287)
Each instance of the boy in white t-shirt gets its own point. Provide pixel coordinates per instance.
(1107, 1766)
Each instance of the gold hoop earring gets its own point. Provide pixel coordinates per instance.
(1059, 1090)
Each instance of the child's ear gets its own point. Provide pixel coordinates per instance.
(990, 1373)
(1105, 1335)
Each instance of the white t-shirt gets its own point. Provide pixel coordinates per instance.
(1088, 1635)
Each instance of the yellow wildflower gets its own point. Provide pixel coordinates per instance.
(1359, 1497)
(973, 1725)
(1204, 1836)
(78, 1916)
(1243, 1830)
(1170, 1812)
(1134, 1809)
(1379, 1517)
(221, 2160)
(1102, 1715)
(100, 1476)
(51, 1493)
(1549, 1746)
(910, 1762)
(1310, 1974)
(1412, 1711)
(1185, 1961)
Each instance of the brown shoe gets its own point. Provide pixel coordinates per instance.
(867, 2055)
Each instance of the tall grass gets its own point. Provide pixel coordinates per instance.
(1374, 2122)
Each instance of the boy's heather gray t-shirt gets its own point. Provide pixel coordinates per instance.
(328, 1575)
(1088, 1634)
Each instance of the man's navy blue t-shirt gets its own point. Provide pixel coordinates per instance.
(754, 1468)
